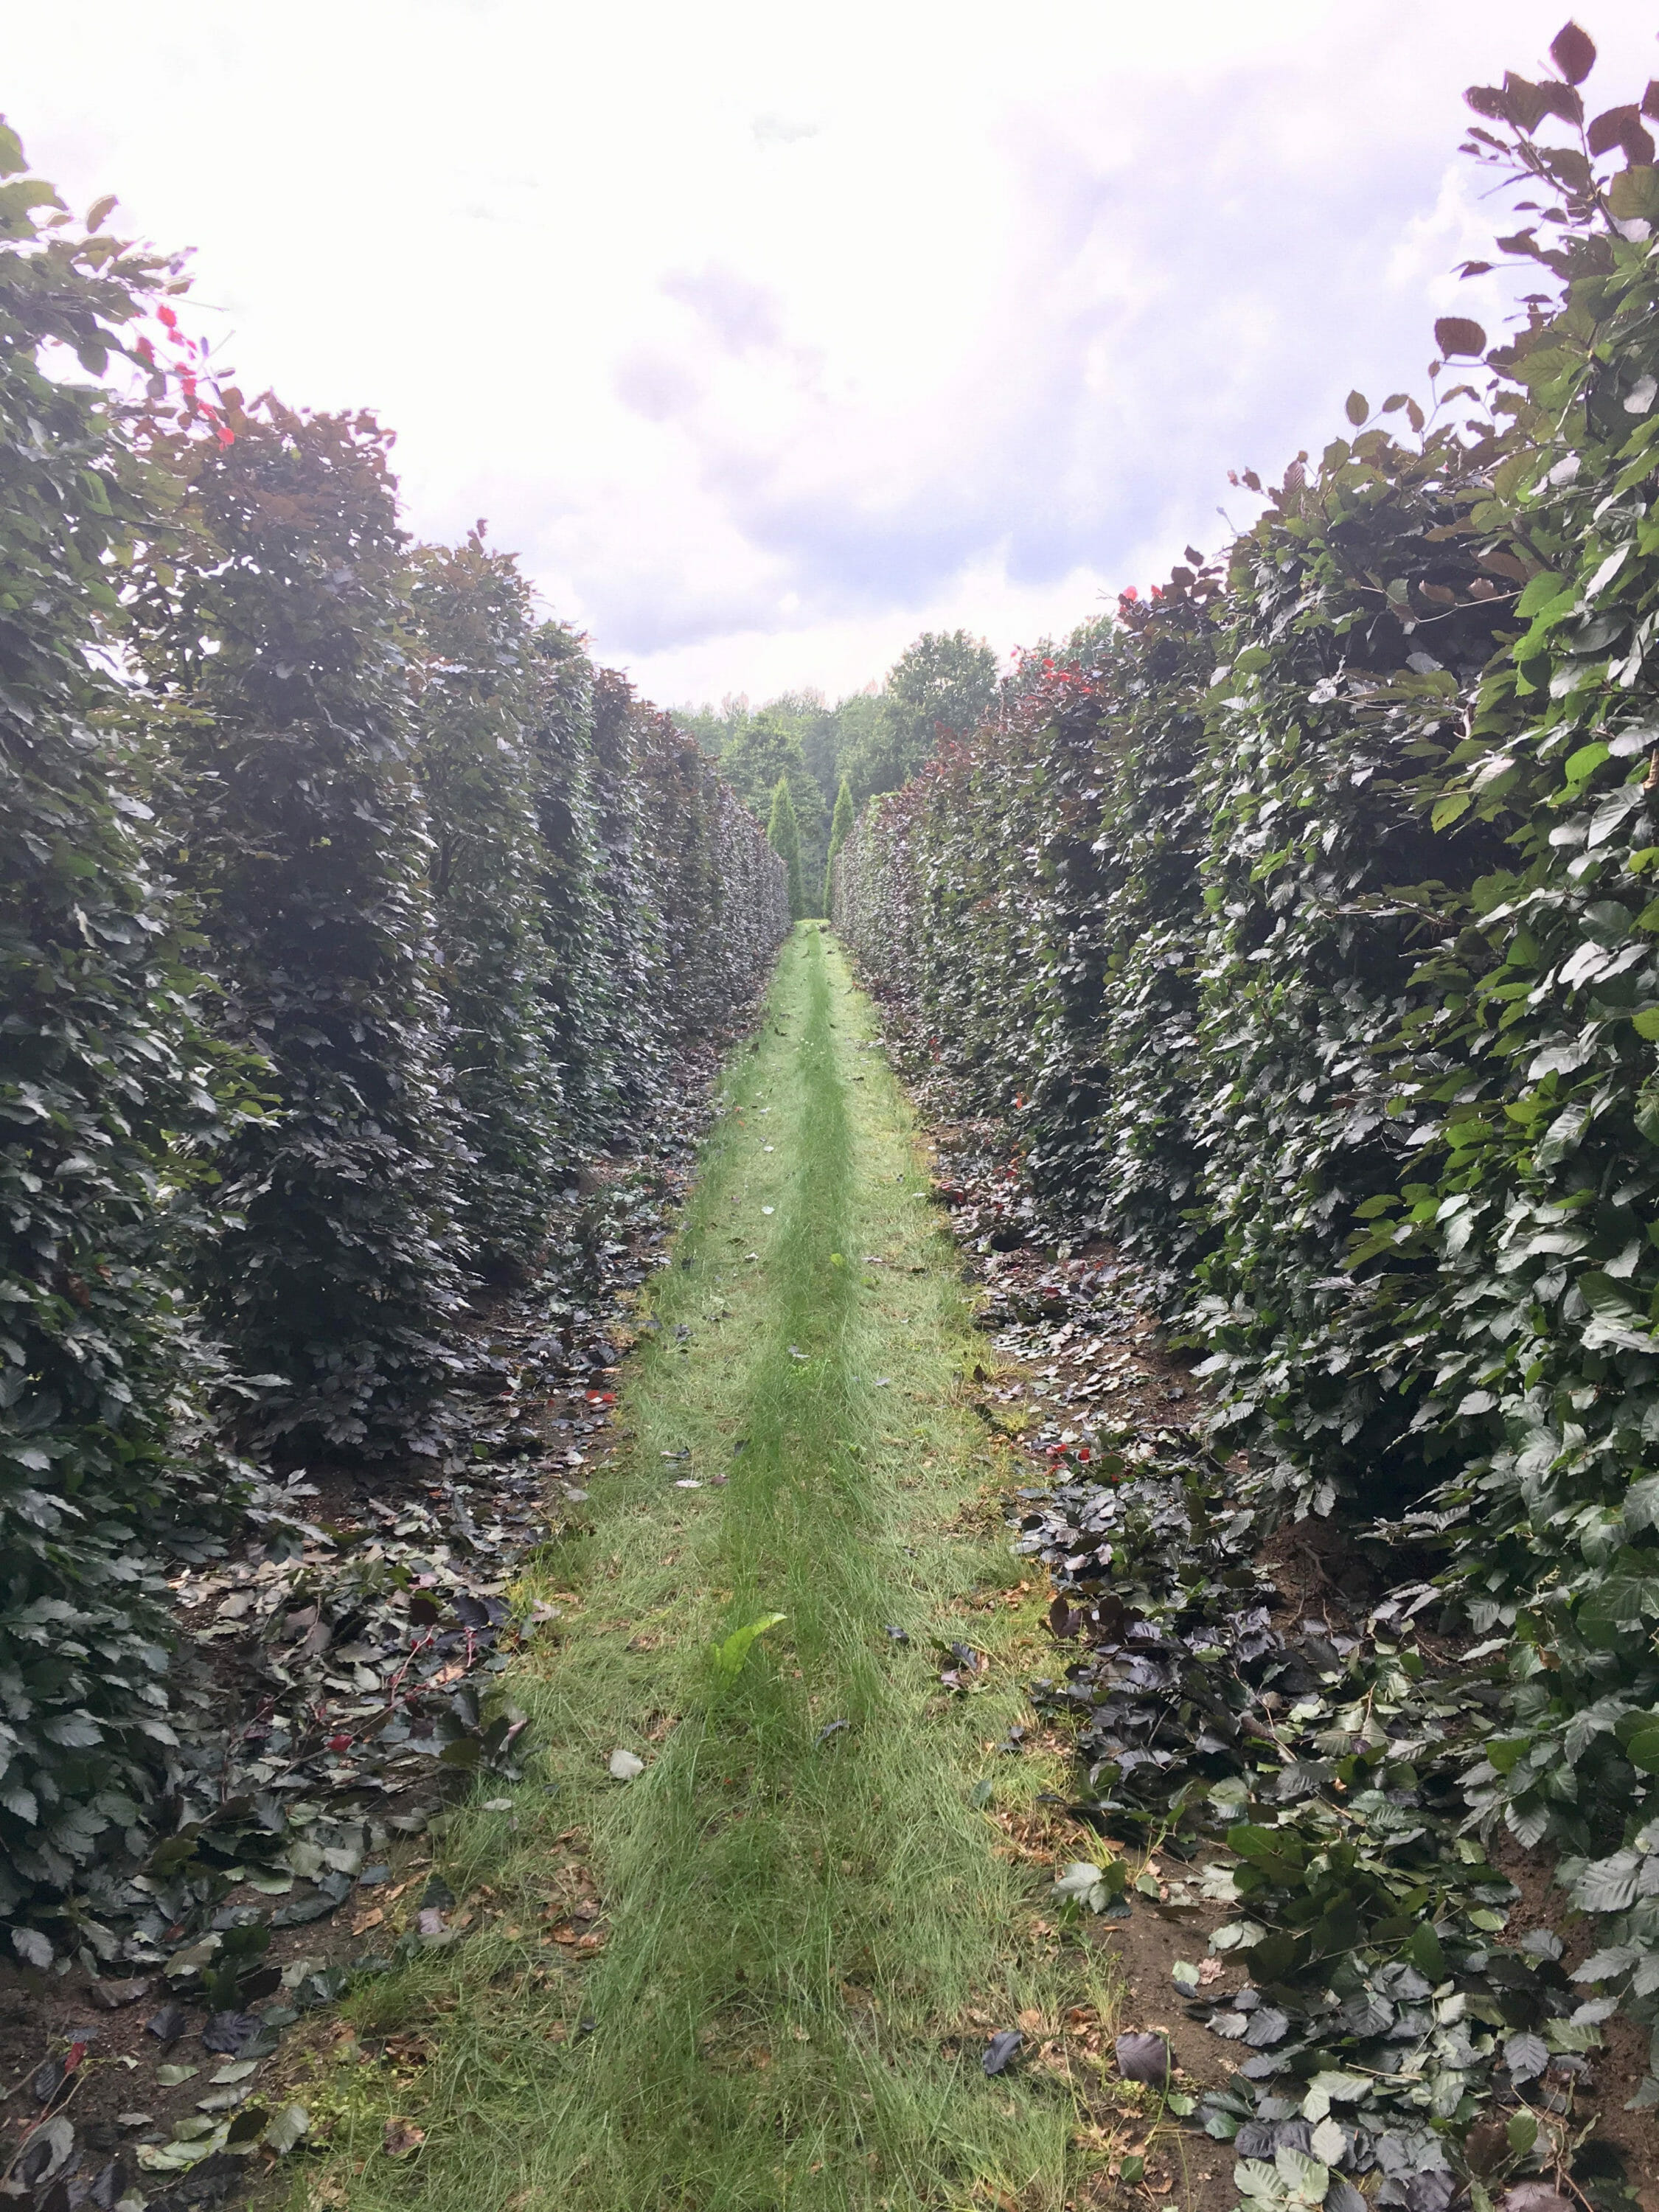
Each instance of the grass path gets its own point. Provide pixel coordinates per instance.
(803, 1933)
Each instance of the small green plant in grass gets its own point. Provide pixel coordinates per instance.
(731, 1656)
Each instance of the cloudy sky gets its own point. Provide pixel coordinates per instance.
(770, 334)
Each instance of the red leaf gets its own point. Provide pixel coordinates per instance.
(1650, 100)
(1608, 129)
(1560, 99)
(1487, 99)
(167, 316)
(1524, 103)
(1456, 334)
(1638, 142)
(1573, 52)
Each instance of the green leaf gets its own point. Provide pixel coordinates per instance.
(1086, 1885)
(1270, 1847)
(1425, 1954)
(1521, 2130)
(1621, 1606)
(1583, 763)
(1608, 1884)
(1633, 194)
(1308, 2178)
(730, 1656)
(1526, 2055)
(287, 2130)
(32, 1946)
(1542, 590)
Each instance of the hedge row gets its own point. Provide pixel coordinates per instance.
(1302, 931)
(346, 906)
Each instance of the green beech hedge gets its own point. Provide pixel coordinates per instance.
(1303, 929)
(271, 635)
(338, 926)
(477, 677)
(104, 1071)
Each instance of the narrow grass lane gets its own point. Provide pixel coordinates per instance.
(800, 1932)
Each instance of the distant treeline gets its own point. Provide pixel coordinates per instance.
(943, 686)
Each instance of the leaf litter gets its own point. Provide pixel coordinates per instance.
(1402, 2039)
(353, 1636)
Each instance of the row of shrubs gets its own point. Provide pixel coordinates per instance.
(346, 906)
(1302, 928)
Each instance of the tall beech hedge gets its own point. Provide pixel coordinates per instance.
(461, 897)
(336, 932)
(273, 638)
(104, 1076)
(477, 679)
(1302, 931)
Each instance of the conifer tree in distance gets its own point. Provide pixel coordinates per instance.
(783, 835)
(841, 829)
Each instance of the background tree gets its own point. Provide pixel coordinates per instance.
(763, 750)
(783, 835)
(841, 829)
(941, 687)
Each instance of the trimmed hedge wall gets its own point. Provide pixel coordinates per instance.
(1301, 931)
(339, 928)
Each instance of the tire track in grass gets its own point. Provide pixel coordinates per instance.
(810, 1935)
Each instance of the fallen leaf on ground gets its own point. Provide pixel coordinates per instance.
(287, 2128)
(112, 1995)
(1143, 2059)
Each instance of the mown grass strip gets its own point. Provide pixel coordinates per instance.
(810, 1933)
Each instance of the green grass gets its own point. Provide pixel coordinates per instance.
(810, 1934)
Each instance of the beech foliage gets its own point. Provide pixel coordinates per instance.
(105, 1072)
(348, 909)
(1301, 928)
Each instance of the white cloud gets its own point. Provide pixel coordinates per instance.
(767, 336)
